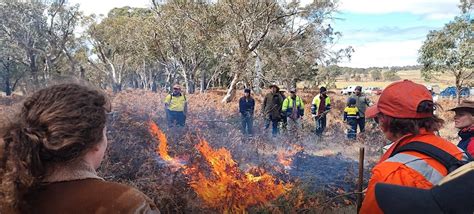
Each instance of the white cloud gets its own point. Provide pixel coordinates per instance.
(104, 6)
(393, 6)
(379, 54)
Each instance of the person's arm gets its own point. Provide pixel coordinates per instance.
(328, 104)
(367, 101)
(264, 104)
(314, 108)
(252, 106)
(185, 107)
(391, 173)
(241, 106)
(167, 101)
(345, 116)
(284, 105)
(301, 111)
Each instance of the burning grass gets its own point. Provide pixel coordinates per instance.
(209, 166)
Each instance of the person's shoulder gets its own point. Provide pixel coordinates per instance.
(129, 198)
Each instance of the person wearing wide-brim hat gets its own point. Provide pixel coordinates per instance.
(464, 121)
(271, 108)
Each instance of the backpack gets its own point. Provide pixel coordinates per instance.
(450, 162)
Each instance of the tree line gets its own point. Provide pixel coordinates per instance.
(200, 44)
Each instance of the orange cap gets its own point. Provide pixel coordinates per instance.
(400, 100)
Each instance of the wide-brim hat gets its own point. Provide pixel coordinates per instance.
(274, 85)
(465, 104)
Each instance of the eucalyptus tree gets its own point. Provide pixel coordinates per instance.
(450, 50)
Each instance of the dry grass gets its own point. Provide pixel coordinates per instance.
(131, 157)
(443, 80)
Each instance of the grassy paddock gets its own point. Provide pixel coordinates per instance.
(442, 81)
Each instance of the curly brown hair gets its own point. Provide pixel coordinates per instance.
(56, 124)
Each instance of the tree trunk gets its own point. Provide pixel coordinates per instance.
(116, 87)
(231, 90)
(258, 75)
(8, 89)
(203, 82)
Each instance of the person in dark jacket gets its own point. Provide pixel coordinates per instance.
(362, 102)
(464, 120)
(271, 109)
(246, 109)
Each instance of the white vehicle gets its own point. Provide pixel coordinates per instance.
(348, 90)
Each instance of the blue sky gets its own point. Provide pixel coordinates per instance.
(382, 32)
(389, 33)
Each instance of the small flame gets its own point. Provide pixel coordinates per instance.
(285, 157)
(162, 148)
(227, 187)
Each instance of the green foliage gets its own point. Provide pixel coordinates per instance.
(376, 74)
(390, 75)
(451, 50)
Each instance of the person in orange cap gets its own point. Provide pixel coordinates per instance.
(407, 120)
(176, 107)
(464, 121)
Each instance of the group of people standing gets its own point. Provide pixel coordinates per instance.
(55, 144)
(289, 111)
(278, 109)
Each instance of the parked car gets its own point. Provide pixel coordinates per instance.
(451, 92)
(434, 89)
(377, 91)
(348, 90)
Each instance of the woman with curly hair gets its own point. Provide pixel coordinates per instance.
(49, 154)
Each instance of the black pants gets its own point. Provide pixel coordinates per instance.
(361, 124)
(320, 125)
(175, 117)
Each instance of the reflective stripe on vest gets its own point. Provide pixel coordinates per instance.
(419, 165)
(464, 155)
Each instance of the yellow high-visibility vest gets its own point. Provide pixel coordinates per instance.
(175, 103)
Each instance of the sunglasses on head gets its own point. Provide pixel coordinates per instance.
(176, 89)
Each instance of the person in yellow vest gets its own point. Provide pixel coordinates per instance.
(176, 107)
(293, 108)
(319, 109)
(351, 114)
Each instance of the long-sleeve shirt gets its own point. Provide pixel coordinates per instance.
(246, 106)
(351, 112)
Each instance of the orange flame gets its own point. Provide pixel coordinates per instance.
(285, 157)
(162, 148)
(228, 187)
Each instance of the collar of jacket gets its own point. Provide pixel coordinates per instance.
(69, 172)
(466, 132)
(403, 141)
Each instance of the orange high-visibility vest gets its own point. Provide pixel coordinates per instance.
(409, 168)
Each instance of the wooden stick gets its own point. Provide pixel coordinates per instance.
(360, 182)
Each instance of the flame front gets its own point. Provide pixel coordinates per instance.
(227, 187)
(162, 148)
